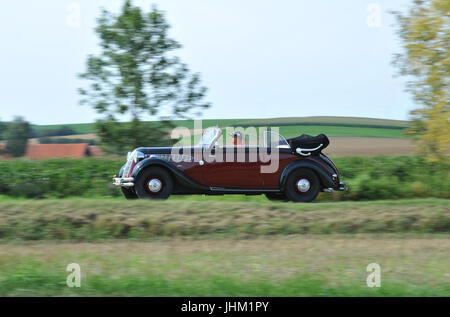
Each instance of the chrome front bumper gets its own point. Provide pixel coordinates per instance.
(342, 187)
(124, 182)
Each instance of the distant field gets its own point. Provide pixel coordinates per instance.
(87, 136)
(301, 121)
(79, 128)
(328, 120)
(359, 146)
(336, 131)
(332, 126)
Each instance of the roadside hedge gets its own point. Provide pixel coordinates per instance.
(381, 177)
(59, 178)
(101, 219)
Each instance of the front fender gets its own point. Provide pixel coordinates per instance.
(121, 171)
(325, 177)
(181, 179)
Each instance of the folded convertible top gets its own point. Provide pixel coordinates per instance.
(308, 142)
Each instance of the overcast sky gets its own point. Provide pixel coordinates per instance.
(258, 58)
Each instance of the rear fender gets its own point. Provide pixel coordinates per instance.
(325, 177)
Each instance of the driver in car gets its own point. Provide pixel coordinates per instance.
(237, 138)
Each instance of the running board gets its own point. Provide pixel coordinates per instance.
(243, 190)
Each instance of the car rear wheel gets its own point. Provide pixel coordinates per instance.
(302, 185)
(276, 196)
(128, 193)
(154, 183)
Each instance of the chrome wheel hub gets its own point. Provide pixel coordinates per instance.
(303, 185)
(154, 185)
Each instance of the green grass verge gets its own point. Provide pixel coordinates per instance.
(301, 265)
(33, 279)
(90, 220)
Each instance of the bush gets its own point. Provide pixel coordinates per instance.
(59, 178)
(381, 177)
(391, 177)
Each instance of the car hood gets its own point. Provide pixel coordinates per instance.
(166, 150)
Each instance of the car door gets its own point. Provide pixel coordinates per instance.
(232, 167)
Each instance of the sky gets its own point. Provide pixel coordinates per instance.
(258, 58)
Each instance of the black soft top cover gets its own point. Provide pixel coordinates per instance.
(306, 141)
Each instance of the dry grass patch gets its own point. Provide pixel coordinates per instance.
(112, 219)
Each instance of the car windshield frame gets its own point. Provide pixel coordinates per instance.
(210, 137)
(279, 142)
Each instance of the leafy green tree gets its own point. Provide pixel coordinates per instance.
(17, 136)
(2, 129)
(425, 59)
(137, 76)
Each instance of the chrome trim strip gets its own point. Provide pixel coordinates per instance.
(300, 150)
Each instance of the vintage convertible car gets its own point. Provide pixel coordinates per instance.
(302, 170)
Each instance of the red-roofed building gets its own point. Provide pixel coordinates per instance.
(4, 155)
(45, 151)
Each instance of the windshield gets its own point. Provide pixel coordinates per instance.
(210, 136)
(276, 140)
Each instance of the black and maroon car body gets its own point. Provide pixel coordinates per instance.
(302, 170)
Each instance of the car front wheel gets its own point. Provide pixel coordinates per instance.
(302, 185)
(154, 183)
(128, 193)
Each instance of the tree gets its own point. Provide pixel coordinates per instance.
(17, 137)
(135, 76)
(425, 59)
(2, 129)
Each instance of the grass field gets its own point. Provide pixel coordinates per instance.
(290, 127)
(336, 131)
(79, 128)
(297, 265)
(205, 246)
